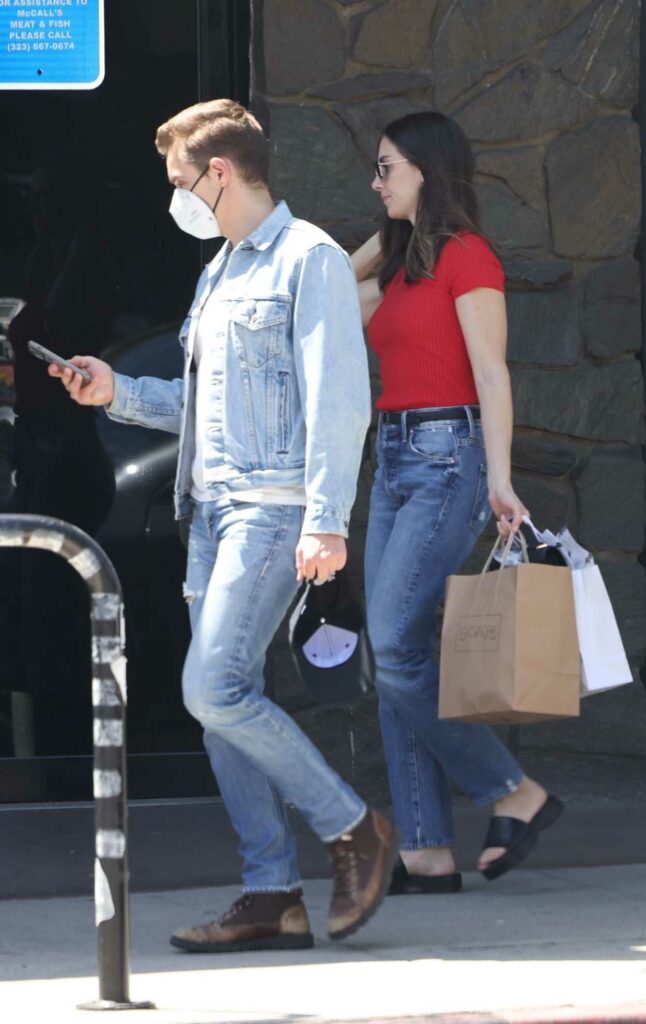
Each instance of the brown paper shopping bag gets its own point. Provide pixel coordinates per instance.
(509, 648)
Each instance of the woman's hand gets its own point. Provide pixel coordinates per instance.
(507, 508)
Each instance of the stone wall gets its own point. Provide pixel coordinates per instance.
(545, 89)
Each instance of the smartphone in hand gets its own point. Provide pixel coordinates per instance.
(50, 357)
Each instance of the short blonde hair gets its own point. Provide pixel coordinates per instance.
(219, 128)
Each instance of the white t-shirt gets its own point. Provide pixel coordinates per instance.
(208, 354)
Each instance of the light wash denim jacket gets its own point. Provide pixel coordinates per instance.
(294, 403)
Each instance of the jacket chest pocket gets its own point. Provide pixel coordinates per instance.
(259, 328)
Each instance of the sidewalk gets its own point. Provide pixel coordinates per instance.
(557, 944)
(189, 844)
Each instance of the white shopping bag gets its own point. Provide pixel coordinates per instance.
(603, 659)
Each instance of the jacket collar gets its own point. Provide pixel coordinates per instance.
(261, 239)
(266, 233)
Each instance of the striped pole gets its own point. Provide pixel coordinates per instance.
(109, 698)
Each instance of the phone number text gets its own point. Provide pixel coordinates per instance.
(28, 47)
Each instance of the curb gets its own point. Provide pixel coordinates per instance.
(627, 1013)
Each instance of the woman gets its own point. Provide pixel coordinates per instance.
(436, 320)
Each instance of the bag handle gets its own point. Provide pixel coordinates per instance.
(507, 549)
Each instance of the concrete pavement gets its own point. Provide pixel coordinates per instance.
(189, 844)
(566, 944)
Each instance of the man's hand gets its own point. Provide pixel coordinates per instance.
(319, 555)
(100, 390)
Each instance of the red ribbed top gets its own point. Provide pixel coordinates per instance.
(416, 333)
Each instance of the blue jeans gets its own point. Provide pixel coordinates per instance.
(429, 504)
(240, 582)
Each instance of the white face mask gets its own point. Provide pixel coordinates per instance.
(193, 215)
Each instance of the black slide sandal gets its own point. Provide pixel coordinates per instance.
(518, 837)
(403, 882)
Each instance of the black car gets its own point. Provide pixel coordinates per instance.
(142, 538)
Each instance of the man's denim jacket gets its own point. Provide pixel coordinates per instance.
(294, 405)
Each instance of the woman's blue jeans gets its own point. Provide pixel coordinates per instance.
(429, 504)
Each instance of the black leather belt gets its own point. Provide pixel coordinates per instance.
(414, 417)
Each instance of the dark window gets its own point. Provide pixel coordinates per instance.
(92, 263)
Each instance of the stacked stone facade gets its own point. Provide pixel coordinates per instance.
(546, 90)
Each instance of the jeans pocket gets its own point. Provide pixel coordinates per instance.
(434, 444)
(481, 510)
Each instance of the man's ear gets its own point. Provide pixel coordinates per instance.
(221, 169)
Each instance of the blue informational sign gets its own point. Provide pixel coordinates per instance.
(51, 44)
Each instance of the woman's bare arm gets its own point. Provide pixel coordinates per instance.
(369, 298)
(483, 319)
(367, 258)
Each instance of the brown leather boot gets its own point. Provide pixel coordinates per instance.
(362, 863)
(257, 920)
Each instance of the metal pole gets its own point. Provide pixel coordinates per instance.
(109, 699)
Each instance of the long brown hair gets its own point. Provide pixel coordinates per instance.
(447, 204)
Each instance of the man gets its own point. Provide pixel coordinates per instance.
(272, 412)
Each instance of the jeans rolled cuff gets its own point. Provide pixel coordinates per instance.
(292, 887)
(348, 828)
(510, 786)
(425, 844)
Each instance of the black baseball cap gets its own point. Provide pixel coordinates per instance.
(330, 644)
